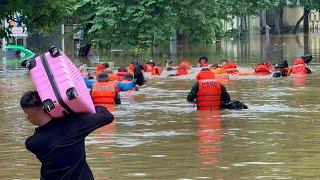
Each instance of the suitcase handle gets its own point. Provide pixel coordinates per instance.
(54, 52)
(28, 64)
(48, 105)
(72, 93)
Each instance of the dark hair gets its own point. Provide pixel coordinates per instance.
(122, 69)
(128, 76)
(30, 99)
(205, 69)
(225, 60)
(106, 65)
(214, 65)
(203, 57)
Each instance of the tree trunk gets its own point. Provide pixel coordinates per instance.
(277, 21)
(263, 21)
(303, 17)
(306, 21)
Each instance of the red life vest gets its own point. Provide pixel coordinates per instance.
(299, 67)
(181, 71)
(262, 69)
(221, 75)
(120, 76)
(185, 64)
(100, 69)
(156, 70)
(103, 93)
(209, 95)
(112, 77)
(231, 68)
(131, 68)
(148, 68)
(205, 75)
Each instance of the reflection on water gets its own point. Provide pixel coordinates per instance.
(158, 135)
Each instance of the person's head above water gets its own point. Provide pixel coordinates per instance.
(32, 107)
(108, 71)
(214, 66)
(128, 77)
(205, 69)
(122, 69)
(223, 62)
(103, 77)
(100, 67)
(203, 60)
(106, 65)
(83, 70)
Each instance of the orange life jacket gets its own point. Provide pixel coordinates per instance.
(231, 68)
(100, 69)
(131, 68)
(156, 70)
(299, 67)
(120, 76)
(262, 69)
(181, 71)
(185, 64)
(112, 77)
(96, 73)
(209, 95)
(148, 68)
(220, 74)
(205, 75)
(103, 93)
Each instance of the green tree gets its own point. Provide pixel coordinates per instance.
(143, 23)
(308, 6)
(40, 15)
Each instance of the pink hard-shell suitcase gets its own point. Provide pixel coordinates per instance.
(59, 84)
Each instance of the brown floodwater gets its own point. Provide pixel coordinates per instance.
(159, 135)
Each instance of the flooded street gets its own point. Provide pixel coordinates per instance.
(160, 136)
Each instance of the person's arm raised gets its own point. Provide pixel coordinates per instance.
(87, 123)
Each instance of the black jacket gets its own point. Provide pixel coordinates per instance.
(59, 145)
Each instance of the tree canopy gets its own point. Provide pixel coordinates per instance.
(139, 23)
(40, 15)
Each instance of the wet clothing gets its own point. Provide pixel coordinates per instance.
(300, 67)
(262, 69)
(112, 77)
(280, 73)
(225, 97)
(181, 71)
(231, 68)
(59, 145)
(185, 64)
(120, 76)
(137, 73)
(209, 94)
(205, 75)
(148, 68)
(105, 94)
(156, 70)
(89, 83)
(139, 78)
(125, 86)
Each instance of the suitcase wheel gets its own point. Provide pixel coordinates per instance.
(28, 64)
(48, 105)
(72, 93)
(54, 52)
